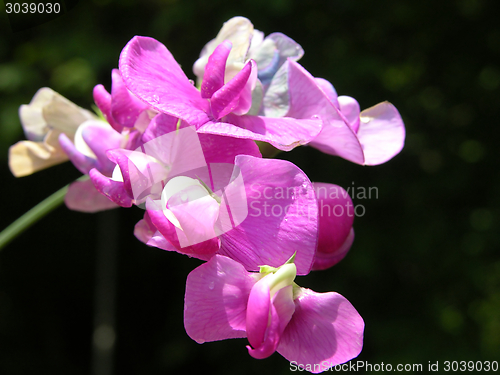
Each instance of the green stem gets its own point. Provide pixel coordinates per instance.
(33, 215)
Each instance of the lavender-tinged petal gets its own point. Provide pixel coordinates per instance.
(125, 107)
(349, 107)
(83, 196)
(216, 300)
(324, 331)
(276, 101)
(103, 101)
(283, 133)
(112, 189)
(381, 132)
(100, 140)
(324, 260)
(213, 79)
(151, 73)
(226, 99)
(83, 163)
(287, 47)
(282, 216)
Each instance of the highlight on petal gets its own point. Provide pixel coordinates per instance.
(381, 132)
(216, 300)
(325, 330)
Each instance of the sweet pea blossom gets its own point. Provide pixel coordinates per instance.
(151, 73)
(370, 137)
(316, 330)
(202, 197)
(48, 115)
(336, 216)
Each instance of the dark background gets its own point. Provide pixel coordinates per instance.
(424, 270)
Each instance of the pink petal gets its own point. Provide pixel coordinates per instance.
(324, 260)
(283, 133)
(83, 196)
(114, 190)
(151, 73)
(381, 132)
(103, 101)
(259, 303)
(213, 79)
(216, 300)
(125, 107)
(146, 232)
(307, 99)
(324, 331)
(349, 107)
(336, 217)
(226, 99)
(221, 149)
(282, 216)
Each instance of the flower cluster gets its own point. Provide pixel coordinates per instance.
(188, 155)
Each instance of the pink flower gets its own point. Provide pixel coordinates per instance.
(370, 137)
(315, 330)
(151, 73)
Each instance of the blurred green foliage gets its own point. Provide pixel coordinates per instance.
(424, 270)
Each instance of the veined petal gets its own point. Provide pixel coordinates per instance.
(151, 73)
(381, 132)
(83, 196)
(282, 216)
(216, 300)
(221, 149)
(325, 330)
